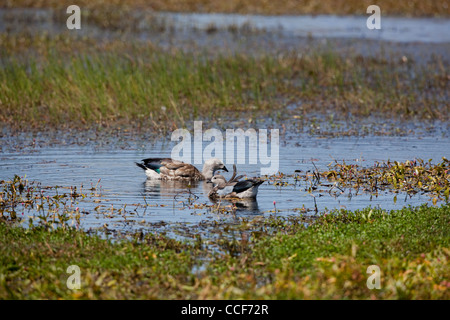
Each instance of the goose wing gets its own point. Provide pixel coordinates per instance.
(159, 163)
(175, 164)
(156, 163)
(243, 185)
(187, 170)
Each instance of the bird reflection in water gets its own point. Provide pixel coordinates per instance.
(247, 206)
(167, 188)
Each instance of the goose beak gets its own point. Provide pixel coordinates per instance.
(225, 169)
(208, 181)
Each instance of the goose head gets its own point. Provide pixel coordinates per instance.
(211, 166)
(219, 180)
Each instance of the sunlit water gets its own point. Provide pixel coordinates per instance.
(124, 185)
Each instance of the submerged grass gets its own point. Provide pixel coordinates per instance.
(327, 259)
(65, 81)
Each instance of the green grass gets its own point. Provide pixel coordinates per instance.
(328, 259)
(149, 86)
(374, 237)
(64, 81)
(36, 261)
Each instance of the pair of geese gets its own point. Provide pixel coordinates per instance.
(170, 169)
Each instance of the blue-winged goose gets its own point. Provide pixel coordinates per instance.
(234, 189)
(170, 169)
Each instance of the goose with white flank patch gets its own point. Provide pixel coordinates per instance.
(234, 189)
(170, 169)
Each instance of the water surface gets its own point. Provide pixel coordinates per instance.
(124, 185)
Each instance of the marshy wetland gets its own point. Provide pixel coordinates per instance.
(363, 167)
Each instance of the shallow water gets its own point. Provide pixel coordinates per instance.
(419, 40)
(396, 29)
(123, 183)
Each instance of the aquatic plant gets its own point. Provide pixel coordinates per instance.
(411, 176)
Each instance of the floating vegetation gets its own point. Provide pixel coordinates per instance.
(49, 206)
(410, 176)
(55, 206)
